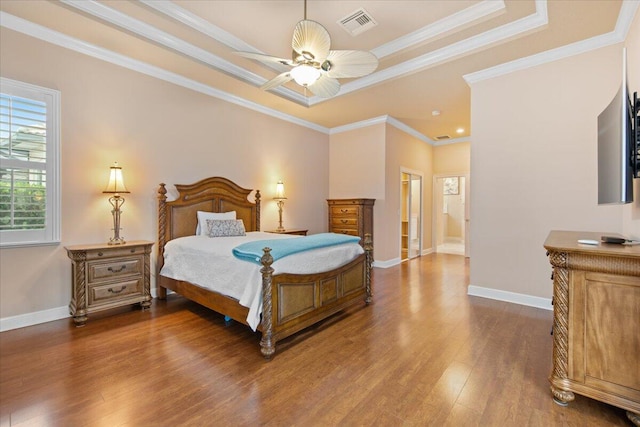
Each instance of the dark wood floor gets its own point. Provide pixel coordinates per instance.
(423, 354)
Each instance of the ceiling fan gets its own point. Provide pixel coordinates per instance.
(314, 65)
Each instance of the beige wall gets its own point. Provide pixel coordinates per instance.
(534, 166)
(403, 152)
(452, 158)
(158, 132)
(356, 163)
(631, 214)
(366, 162)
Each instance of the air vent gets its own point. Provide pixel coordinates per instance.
(441, 137)
(357, 22)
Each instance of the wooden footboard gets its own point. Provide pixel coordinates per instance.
(291, 302)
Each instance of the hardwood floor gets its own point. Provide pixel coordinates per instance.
(423, 354)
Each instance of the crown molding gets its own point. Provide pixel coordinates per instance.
(452, 141)
(473, 14)
(379, 120)
(50, 36)
(618, 35)
(167, 40)
(497, 35)
(177, 13)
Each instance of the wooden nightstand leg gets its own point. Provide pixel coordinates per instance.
(145, 304)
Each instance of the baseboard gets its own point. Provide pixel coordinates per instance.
(44, 316)
(500, 295)
(386, 264)
(35, 318)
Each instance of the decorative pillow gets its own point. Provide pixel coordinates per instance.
(201, 229)
(225, 227)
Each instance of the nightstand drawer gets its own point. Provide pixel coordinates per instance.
(339, 222)
(114, 252)
(114, 291)
(115, 268)
(344, 210)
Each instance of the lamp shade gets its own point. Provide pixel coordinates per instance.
(280, 190)
(116, 183)
(305, 75)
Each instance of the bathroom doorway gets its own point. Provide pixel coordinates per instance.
(410, 214)
(451, 214)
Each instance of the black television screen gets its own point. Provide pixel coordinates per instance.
(615, 147)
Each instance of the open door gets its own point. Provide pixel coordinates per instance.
(411, 215)
(451, 214)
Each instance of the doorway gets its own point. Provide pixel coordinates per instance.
(410, 214)
(451, 214)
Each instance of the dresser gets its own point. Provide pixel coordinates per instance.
(351, 216)
(596, 321)
(108, 276)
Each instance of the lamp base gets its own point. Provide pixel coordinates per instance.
(116, 241)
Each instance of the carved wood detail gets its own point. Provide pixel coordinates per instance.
(355, 275)
(595, 290)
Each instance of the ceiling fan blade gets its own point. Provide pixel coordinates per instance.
(265, 58)
(325, 87)
(311, 40)
(349, 63)
(277, 81)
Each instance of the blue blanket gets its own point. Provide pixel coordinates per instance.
(280, 248)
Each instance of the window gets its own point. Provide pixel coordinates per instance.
(29, 164)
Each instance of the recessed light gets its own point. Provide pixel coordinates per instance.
(435, 113)
(460, 130)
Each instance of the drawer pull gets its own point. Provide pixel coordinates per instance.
(111, 269)
(344, 210)
(133, 251)
(100, 254)
(118, 291)
(344, 221)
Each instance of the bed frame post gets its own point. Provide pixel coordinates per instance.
(267, 346)
(368, 250)
(162, 228)
(257, 210)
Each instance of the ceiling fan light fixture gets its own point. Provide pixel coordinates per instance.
(305, 75)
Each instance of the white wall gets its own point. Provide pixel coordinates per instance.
(534, 167)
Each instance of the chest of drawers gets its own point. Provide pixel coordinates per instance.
(107, 276)
(351, 216)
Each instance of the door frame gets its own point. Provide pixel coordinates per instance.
(404, 170)
(467, 210)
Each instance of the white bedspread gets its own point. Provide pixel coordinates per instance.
(208, 262)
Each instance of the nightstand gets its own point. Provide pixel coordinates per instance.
(107, 276)
(292, 231)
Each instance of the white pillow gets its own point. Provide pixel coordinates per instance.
(201, 229)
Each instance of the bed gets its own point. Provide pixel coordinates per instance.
(290, 301)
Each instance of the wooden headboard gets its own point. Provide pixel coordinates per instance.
(178, 218)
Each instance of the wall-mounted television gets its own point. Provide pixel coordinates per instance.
(618, 145)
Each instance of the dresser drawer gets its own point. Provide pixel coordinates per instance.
(115, 268)
(109, 292)
(349, 231)
(344, 222)
(345, 210)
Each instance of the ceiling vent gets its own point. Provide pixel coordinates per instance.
(357, 22)
(442, 137)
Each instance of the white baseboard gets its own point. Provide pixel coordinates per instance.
(500, 295)
(386, 264)
(35, 318)
(44, 316)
